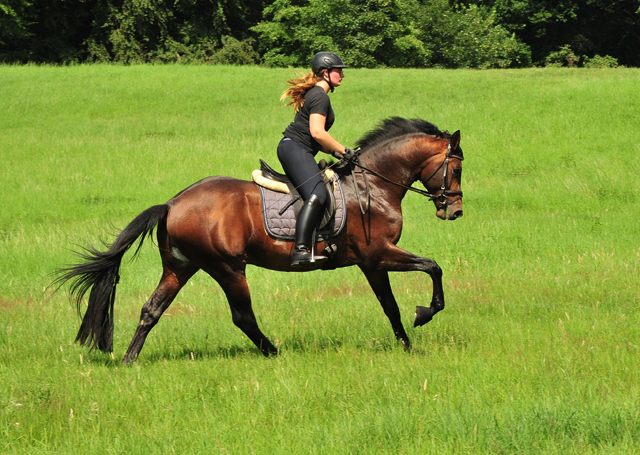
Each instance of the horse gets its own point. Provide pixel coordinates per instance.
(217, 225)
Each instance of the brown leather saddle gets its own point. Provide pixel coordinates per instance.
(281, 208)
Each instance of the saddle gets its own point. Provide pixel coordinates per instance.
(281, 203)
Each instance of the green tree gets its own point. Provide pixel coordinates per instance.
(395, 33)
(361, 31)
(43, 30)
(590, 27)
(168, 30)
(469, 36)
(127, 31)
(14, 26)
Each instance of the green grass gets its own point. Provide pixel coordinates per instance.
(536, 351)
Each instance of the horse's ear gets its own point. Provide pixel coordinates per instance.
(455, 140)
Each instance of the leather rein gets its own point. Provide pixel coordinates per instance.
(441, 197)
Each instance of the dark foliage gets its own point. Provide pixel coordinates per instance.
(128, 31)
(367, 33)
(45, 31)
(589, 27)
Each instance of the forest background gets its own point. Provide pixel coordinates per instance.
(366, 33)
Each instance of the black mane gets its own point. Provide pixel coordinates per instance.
(397, 126)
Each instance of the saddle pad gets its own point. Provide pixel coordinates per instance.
(283, 227)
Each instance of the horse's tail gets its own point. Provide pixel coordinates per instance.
(100, 275)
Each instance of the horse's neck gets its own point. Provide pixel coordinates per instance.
(401, 160)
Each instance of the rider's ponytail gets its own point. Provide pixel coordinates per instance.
(298, 88)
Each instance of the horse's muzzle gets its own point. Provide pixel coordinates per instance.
(452, 212)
(455, 215)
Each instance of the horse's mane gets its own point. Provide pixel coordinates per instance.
(397, 126)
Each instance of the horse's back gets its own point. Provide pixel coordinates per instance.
(215, 207)
(213, 195)
(210, 185)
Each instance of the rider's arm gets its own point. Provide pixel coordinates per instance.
(322, 136)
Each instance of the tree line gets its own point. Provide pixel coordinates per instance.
(366, 33)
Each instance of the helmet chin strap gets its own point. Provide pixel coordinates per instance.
(328, 80)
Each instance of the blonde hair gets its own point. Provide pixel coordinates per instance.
(299, 87)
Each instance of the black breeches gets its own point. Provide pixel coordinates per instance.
(300, 166)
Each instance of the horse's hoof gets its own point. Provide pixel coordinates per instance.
(129, 360)
(269, 351)
(423, 315)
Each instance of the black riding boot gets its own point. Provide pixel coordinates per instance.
(305, 224)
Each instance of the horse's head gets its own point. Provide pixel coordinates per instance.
(441, 177)
(418, 151)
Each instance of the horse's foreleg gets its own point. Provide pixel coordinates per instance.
(236, 289)
(425, 314)
(379, 281)
(398, 260)
(167, 289)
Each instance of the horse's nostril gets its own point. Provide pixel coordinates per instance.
(457, 214)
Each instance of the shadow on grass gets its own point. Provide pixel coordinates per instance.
(308, 343)
(158, 356)
(205, 352)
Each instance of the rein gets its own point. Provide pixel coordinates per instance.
(440, 197)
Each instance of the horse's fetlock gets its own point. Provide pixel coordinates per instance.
(148, 321)
(241, 320)
(437, 305)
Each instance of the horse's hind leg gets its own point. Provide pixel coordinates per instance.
(235, 287)
(167, 289)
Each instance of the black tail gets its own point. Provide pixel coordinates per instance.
(100, 275)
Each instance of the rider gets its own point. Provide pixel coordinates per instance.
(302, 140)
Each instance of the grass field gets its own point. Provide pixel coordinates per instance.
(536, 352)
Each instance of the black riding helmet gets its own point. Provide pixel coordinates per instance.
(326, 61)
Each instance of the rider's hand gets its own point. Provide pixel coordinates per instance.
(348, 154)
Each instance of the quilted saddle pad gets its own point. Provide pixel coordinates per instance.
(282, 226)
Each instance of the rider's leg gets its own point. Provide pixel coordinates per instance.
(300, 166)
(305, 224)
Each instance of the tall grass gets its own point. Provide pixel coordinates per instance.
(536, 351)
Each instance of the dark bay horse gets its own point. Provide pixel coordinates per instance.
(217, 225)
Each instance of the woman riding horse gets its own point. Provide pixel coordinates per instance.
(303, 139)
(216, 225)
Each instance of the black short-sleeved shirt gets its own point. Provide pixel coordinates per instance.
(316, 101)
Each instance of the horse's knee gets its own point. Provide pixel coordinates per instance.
(434, 269)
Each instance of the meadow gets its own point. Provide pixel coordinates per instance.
(536, 351)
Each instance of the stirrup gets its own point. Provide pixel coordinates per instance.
(301, 258)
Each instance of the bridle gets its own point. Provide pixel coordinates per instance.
(444, 194)
(442, 197)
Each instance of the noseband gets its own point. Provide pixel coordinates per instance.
(444, 194)
(441, 197)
